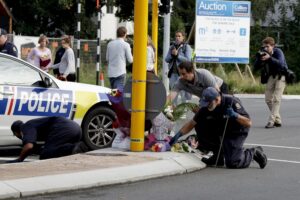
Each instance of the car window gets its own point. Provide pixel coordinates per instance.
(13, 72)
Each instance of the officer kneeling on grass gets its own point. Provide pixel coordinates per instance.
(62, 137)
(223, 116)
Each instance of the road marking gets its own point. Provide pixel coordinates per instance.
(13, 158)
(286, 161)
(275, 146)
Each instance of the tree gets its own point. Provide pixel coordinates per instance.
(34, 17)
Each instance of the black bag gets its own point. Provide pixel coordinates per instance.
(290, 76)
(264, 76)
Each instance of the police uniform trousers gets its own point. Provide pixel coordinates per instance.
(61, 143)
(232, 148)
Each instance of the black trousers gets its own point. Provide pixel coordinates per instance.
(232, 148)
(61, 143)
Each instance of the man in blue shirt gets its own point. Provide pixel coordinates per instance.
(6, 46)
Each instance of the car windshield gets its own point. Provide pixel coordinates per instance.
(13, 72)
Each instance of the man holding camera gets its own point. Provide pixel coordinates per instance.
(271, 61)
(179, 52)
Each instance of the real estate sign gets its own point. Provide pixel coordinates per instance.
(222, 31)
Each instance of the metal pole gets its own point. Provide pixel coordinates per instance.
(139, 75)
(167, 19)
(98, 59)
(78, 39)
(155, 29)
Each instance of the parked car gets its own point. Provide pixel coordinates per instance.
(26, 92)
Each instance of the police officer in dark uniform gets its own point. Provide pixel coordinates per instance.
(6, 46)
(221, 112)
(61, 136)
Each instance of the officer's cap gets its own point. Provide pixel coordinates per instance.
(16, 126)
(2, 31)
(208, 95)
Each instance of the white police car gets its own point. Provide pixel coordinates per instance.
(26, 92)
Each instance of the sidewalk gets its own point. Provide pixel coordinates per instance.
(96, 168)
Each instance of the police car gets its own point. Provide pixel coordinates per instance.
(26, 92)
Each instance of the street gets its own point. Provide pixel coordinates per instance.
(279, 180)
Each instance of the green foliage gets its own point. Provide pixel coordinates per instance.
(125, 9)
(34, 17)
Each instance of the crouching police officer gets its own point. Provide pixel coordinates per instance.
(218, 112)
(61, 136)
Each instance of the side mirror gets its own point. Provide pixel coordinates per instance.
(48, 82)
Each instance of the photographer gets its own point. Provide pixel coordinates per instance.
(179, 52)
(271, 61)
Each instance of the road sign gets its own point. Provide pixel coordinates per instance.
(222, 31)
(155, 95)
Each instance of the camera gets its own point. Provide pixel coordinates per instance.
(262, 52)
(175, 45)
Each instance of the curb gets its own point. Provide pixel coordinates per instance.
(170, 164)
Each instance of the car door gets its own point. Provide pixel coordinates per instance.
(24, 95)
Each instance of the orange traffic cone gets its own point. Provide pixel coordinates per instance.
(101, 79)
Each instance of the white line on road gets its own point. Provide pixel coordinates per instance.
(275, 146)
(288, 161)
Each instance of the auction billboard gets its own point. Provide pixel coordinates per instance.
(222, 31)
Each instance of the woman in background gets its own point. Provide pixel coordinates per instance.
(41, 56)
(66, 66)
(150, 55)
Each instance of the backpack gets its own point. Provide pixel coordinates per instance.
(290, 76)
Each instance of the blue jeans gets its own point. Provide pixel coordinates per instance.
(183, 94)
(117, 82)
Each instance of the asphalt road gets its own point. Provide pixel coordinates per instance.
(279, 180)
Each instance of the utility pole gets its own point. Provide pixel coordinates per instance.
(139, 75)
(164, 10)
(99, 5)
(78, 38)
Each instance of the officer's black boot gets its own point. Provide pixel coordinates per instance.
(260, 157)
(213, 159)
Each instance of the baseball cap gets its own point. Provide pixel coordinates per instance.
(2, 31)
(208, 95)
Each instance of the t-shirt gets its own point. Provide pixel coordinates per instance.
(215, 121)
(117, 53)
(203, 79)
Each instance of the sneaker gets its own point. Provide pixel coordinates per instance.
(277, 124)
(80, 147)
(260, 157)
(270, 125)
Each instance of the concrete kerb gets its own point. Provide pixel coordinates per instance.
(169, 163)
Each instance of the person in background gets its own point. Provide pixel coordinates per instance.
(66, 66)
(6, 46)
(117, 53)
(150, 55)
(195, 81)
(41, 56)
(58, 55)
(273, 61)
(179, 52)
(62, 137)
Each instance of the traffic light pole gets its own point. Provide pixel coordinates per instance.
(166, 45)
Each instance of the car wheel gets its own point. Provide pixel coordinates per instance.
(98, 129)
